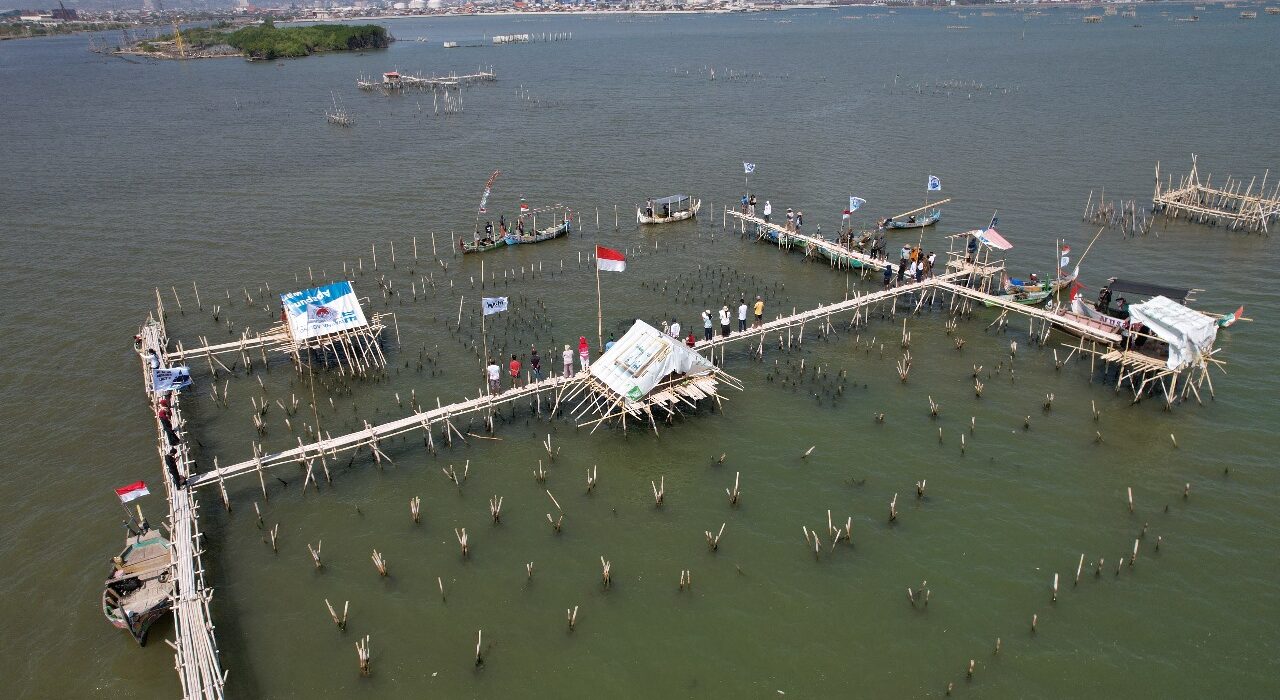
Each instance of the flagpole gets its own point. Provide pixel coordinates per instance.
(599, 305)
(484, 360)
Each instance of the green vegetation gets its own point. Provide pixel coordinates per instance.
(198, 37)
(266, 41)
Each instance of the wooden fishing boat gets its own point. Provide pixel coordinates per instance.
(1051, 285)
(666, 210)
(482, 245)
(929, 219)
(546, 234)
(139, 590)
(1020, 297)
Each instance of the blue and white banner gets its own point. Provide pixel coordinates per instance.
(935, 185)
(855, 203)
(322, 310)
(170, 379)
(748, 168)
(493, 305)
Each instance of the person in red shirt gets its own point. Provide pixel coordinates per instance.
(690, 340)
(515, 372)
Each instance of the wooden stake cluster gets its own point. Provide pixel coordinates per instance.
(379, 563)
(341, 622)
(713, 541)
(606, 573)
(315, 553)
(462, 541)
(592, 478)
(415, 505)
(735, 494)
(495, 508)
(893, 508)
(686, 579)
(659, 490)
(919, 598)
(572, 615)
(362, 654)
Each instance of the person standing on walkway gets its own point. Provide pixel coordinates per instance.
(759, 311)
(751, 205)
(691, 341)
(929, 262)
(495, 376)
(725, 318)
(675, 329)
(706, 323)
(163, 414)
(171, 463)
(742, 315)
(768, 210)
(905, 254)
(888, 275)
(568, 362)
(514, 367)
(535, 364)
(584, 352)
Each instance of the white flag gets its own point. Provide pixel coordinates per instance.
(855, 203)
(935, 185)
(748, 168)
(493, 305)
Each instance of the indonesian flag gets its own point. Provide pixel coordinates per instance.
(524, 206)
(1075, 289)
(610, 259)
(137, 489)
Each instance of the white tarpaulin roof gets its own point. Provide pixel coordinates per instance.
(643, 357)
(1189, 333)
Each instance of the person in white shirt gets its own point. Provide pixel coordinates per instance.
(568, 362)
(768, 209)
(724, 321)
(495, 377)
(742, 315)
(675, 329)
(706, 323)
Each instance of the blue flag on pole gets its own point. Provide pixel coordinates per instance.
(856, 203)
(748, 168)
(935, 185)
(170, 379)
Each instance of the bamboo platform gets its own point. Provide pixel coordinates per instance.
(355, 350)
(195, 646)
(1203, 203)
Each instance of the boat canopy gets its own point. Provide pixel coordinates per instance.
(673, 199)
(1121, 286)
(1189, 333)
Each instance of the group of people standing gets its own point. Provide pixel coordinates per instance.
(914, 265)
(515, 368)
(725, 317)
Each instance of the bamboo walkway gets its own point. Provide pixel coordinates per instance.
(836, 253)
(427, 421)
(1071, 325)
(195, 646)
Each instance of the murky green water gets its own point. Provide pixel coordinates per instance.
(121, 177)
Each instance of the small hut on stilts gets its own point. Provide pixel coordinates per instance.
(645, 370)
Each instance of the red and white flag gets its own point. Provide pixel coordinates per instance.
(137, 489)
(610, 259)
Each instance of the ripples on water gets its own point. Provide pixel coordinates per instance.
(122, 177)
